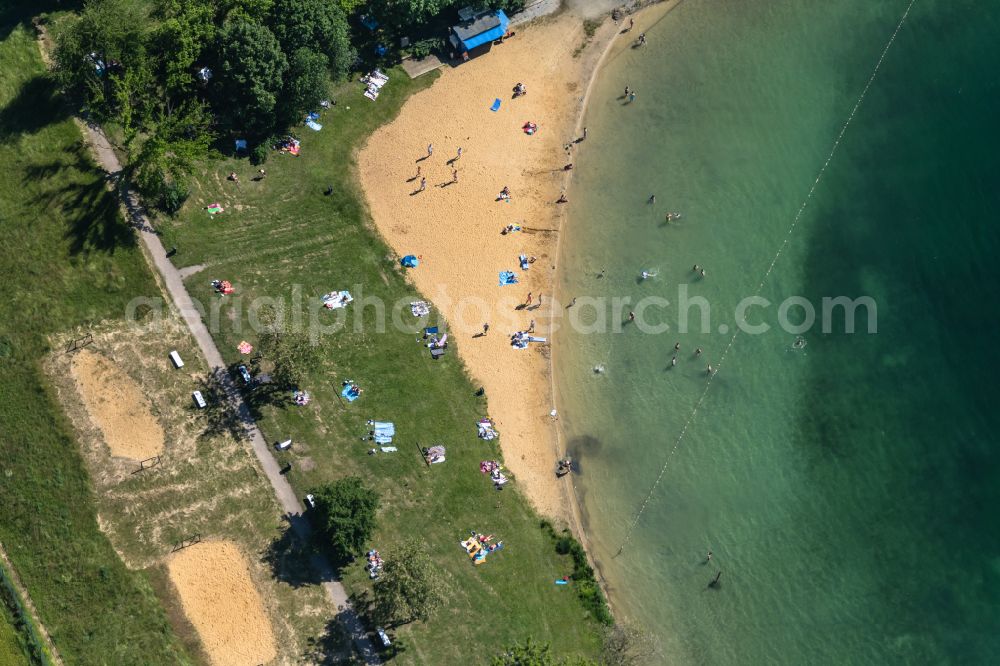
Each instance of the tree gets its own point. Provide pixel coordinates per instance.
(96, 52)
(290, 352)
(345, 516)
(533, 654)
(249, 76)
(305, 85)
(626, 645)
(410, 586)
(320, 27)
(404, 14)
(181, 40)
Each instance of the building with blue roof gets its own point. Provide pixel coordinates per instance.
(478, 29)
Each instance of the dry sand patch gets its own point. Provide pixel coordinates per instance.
(117, 406)
(219, 598)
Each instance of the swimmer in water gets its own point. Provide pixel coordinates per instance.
(702, 272)
(677, 346)
(697, 352)
(646, 275)
(651, 199)
(799, 343)
(696, 268)
(673, 361)
(710, 370)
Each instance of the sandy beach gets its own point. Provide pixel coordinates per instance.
(455, 228)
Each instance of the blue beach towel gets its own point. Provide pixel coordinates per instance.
(409, 261)
(349, 393)
(507, 277)
(496, 105)
(524, 262)
(313, 125)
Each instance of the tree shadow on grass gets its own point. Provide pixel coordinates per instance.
(36, 105)
(20, 12)
(290, 555)
(93, 218)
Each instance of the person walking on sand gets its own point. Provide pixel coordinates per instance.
(531, 326)
(418, 172)
(527, 301)
(486, 329)
(573, 302)
(454, 175)
(631, 24)
(584, 134)
(423, 184)
(562, 198)
(642, 39)
(539, 300)
(458, 156)
(430, 150)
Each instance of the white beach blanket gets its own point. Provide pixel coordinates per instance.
(420, 309)
(336, 299)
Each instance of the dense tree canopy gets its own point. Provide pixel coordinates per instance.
(320, 27)
(249, 76)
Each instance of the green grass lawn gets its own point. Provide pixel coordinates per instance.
(282, 236)
(67, 259)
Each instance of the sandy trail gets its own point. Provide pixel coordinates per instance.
(217, 592)
(455, 228)
(118, 406)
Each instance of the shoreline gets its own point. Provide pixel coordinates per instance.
(657, 10)
(424, 222)
(455, 227)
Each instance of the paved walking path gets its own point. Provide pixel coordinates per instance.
(174, 285)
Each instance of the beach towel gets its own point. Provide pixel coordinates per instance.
(383, 427)
(409, 261)
(336, 299)
(524, 262)
(313, 116)
(372, 94)
(420, 309)
(241, 144)
(388, 449)
(313, 125)
(507, 277)
(244, 347)
(486, 430)
(496, 105)
(214, 209)
(350, 392)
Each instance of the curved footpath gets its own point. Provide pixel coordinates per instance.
(173, 284)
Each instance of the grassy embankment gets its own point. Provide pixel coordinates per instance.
(280, 236)
(67, 259)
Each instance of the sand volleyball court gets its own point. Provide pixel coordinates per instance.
(219, 598)
(118, 407)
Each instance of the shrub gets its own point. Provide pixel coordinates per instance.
(258, 154)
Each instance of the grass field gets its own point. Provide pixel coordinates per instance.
(68, 260)
(283, 238)
(205, 483)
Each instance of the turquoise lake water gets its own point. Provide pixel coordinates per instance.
(848, 485)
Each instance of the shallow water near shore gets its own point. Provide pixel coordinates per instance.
(845, 485)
